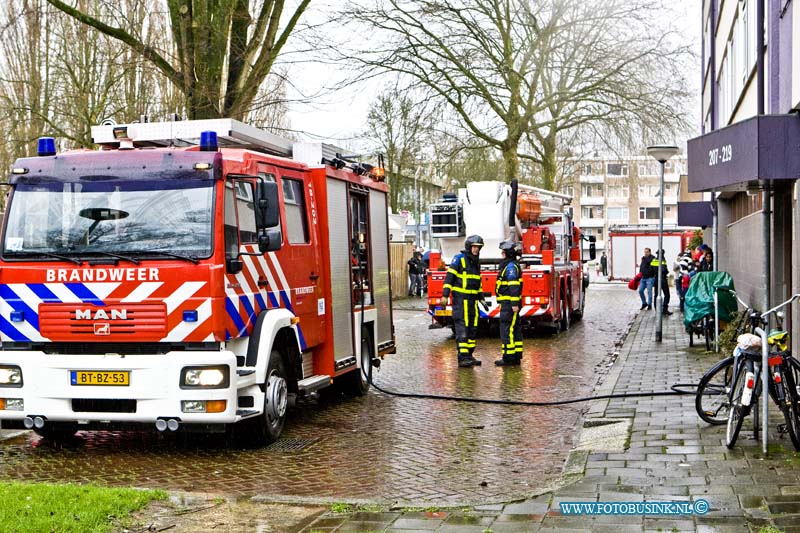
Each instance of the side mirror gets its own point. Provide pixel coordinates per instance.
(592, 247)
(233, 265)
(267, 211)
(269, 240)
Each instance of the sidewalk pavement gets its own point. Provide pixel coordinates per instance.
(649, 449)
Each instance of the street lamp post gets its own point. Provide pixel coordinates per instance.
(661, 154)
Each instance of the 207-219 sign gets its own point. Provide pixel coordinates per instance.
(720, 155)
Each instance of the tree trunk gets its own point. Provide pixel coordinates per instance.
(510, 159)
(549, 162)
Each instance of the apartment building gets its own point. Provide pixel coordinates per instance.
(607, 192)
(747, 154)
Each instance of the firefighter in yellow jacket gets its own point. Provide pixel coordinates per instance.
(463, 283)
(509, 295)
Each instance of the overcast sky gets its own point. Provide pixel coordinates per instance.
(341, 118)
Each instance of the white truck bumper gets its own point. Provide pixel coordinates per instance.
(154, 391)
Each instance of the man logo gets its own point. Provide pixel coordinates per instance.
(101, 314)
(102, 329)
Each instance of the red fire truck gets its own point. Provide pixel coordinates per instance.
(554, 281)
(172, 283)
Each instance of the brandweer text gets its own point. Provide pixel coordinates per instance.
(103, 274)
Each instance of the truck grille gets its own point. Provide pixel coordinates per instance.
(91, 405)
(110, 323)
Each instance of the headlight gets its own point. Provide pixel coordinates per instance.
(207, 377)
(10, 376)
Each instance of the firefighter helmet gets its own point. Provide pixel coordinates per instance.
(473, 240)
(509, 247)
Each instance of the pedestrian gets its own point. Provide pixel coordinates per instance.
(509, 295)
(463, 283)
(415, 275)
(648, 280)
(659, 265)
(684, 269)
(604, 264)
(707, 262)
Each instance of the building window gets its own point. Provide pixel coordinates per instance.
(648, 191)
(295, 207)
(586, 169)
(650, 168)
(591, 191)
(569, 190)
(617, 169)
(617, 214)
(618, 191)
(648, 213)
(593, 211)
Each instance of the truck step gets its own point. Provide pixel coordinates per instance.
(245, 371)
(313, 383)
(244, 413)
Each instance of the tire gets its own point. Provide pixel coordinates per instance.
(356, 383)
(712, 401)
(564, 314)
(791, 408)
(267, 427)
(578, 315)
(737, 411)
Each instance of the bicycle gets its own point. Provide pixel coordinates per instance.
(783, 375)
(711, 398)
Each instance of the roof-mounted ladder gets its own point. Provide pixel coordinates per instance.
(230, 133)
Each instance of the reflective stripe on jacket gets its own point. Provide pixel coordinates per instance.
(509, 282)
(463, 277)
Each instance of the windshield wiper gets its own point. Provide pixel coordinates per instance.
(109, 254)
(168, 254)
(45, 254)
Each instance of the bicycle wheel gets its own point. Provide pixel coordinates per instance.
(791, 409)
(711, 400)
(737, 411)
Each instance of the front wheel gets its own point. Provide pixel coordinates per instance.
(790, 407)
(711, 400)
(737, 410)
(267, 427)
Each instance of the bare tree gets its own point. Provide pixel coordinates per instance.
(608, 74)
(223, 51)
(400, 125)
(508, 69)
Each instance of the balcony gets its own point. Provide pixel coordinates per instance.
(592, 178)
(592, 200)
(591, 222)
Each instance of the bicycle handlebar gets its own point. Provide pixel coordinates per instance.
(787, 302)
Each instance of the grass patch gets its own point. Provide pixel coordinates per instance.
(34, 507)
(432, 509)
(341, 508)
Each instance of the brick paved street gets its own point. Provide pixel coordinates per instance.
(669, 455)
(380, 448)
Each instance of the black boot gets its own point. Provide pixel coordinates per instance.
(465, 363)
(506, 362)
(475, 362)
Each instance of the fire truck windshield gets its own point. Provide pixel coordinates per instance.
(165, 216)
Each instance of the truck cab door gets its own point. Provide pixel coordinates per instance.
(297, 266)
